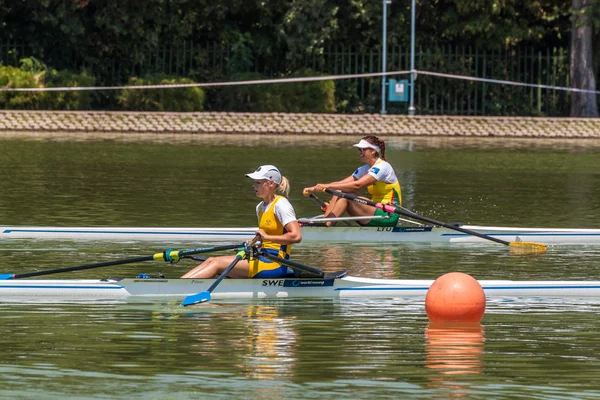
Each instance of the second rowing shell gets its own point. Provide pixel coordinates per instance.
(310, 234)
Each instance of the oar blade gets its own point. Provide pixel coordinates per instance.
(527, 247)
(197, 298)
(5, 277)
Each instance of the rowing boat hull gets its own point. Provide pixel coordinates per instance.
(311, 234)
(278, 288)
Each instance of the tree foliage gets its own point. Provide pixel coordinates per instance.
(118, 39)
(276, 34)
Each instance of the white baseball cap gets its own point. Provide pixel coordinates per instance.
(269, 172)
(363, 144)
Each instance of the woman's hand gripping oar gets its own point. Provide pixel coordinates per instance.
(530, 246)
(167, 255)
(205, 296)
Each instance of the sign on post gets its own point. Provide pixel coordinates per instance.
(397, 90)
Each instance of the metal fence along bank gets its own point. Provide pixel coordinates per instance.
(206, 62)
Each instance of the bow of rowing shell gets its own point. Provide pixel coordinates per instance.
(311, 234)
(277, 288)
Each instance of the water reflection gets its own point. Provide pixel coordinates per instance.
(453, 349)
(261, 339)
(406, 143)
(271, 342)
(366, 261)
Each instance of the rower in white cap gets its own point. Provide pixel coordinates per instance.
(377, 175)
(277, 227)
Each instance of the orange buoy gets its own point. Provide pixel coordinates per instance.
(455, 297)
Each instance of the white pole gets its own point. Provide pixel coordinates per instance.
(384, 56)
(411, 107)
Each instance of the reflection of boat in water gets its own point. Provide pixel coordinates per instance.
(331, 285)
(311, 234)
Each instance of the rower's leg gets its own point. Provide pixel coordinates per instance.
(337, 207)
(331, 205)
(214, 266)
(360, 210)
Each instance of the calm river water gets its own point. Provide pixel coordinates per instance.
(524, 348)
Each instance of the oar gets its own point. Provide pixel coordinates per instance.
(295, 265)
(167, 255)
(205, 296)
(319, 202)
(537, 247)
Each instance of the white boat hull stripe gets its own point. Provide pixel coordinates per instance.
(311, 234)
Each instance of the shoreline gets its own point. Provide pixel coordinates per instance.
(278, 141)
(209, 123)
(100, 122)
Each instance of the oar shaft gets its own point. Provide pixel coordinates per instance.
(319, 202)
(239, 256)
(82, 267)
(208, 249)
(306, 268)
(168, 255)
(397, 210)
(205, 296)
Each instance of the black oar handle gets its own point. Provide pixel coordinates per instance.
(397, 210)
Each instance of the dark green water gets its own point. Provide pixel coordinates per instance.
(524, 348)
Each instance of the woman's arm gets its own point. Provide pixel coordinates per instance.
(349, 184)
(293, 234)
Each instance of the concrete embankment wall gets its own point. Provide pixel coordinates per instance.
(282, 123)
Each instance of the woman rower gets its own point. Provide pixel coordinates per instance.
(277, 227)
(377, 175)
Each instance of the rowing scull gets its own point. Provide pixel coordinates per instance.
(311, 234)
(326, 287)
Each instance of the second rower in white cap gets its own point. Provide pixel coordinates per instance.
(377, 175)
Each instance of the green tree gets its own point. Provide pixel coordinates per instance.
(582, 63)
(493, 24)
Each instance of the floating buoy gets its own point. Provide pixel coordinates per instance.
(455, 297)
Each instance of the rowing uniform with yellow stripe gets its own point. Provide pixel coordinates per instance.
(272, 218)
(385, 190)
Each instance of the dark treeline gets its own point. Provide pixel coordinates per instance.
(114, 41)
